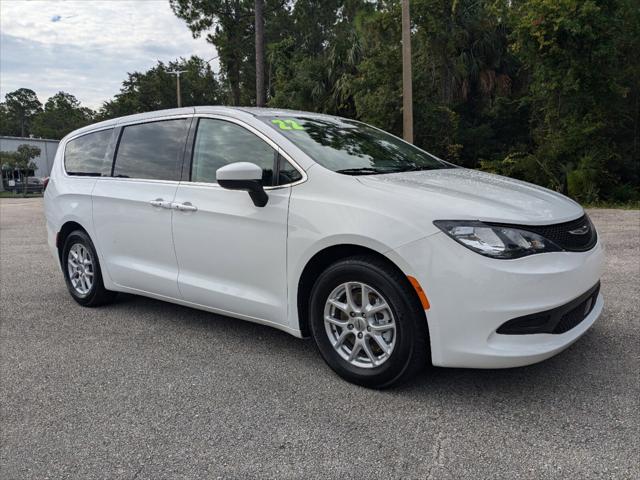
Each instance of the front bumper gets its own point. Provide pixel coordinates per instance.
(471, 296)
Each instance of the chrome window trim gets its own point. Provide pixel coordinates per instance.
(145, 180)
(115, 126)
(78, 135)
(154, 119)
(260, 135)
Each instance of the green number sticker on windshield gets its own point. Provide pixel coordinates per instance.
(287, 124)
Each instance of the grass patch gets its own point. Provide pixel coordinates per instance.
(19, 195)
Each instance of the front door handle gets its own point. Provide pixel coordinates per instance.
(185, 207)
(158, 202)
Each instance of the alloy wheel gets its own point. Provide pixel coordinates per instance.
(360, 324)
(80, 268)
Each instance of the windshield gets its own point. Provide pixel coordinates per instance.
(352, 148)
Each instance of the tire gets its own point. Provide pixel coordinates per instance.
(92, 295)
(376, 365)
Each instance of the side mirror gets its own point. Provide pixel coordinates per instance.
(243, 176)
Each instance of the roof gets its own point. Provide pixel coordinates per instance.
(219, 109)
(277, 112)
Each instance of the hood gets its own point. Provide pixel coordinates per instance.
(464, 194)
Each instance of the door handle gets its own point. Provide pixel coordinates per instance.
(185, 207)
(158, 202)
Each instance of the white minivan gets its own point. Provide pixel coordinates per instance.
(326, 227)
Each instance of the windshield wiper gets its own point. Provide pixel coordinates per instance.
(417, 168)
(361, 171)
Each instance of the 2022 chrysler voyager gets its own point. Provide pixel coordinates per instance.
(326, 227)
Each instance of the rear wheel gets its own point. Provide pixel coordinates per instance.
(82, 271)
(367, 322)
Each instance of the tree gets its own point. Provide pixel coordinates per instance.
(155, 89)
(62, 114)
(315, 61)
(230, 25)
(21, 106)
(581, 58)
(7, 160)
(227, 24)
(22, 161)
(542, 90)
(259, 29)
(8, 125)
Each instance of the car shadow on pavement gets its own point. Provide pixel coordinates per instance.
(571, 369)
(187, 318)
(555, 373)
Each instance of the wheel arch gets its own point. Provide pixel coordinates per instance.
(63, 233)
(320, 261)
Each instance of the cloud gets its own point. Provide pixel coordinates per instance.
(86, 48)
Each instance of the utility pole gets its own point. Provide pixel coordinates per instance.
(178, 94)
(407, 87)
(260, 93)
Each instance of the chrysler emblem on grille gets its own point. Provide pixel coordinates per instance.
(580, 231)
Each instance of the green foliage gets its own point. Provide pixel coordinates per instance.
(583, 70)
(307, 72)
(583, 182)
(7, 160)
(62, 114)
(8, 124)
(22, 115)
(228, 25)
(547, 91)
(542, 90)
(155, 89)
(17, 112)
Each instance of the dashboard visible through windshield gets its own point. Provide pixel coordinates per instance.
(352, 148)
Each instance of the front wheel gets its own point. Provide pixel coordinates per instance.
(367, 322)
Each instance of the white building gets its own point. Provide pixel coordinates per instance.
(44, 161)
(47, 151)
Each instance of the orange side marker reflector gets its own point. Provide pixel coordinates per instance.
(421, 295)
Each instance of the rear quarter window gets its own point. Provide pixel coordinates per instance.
(86, 155)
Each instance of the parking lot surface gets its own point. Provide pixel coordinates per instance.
(148, 390)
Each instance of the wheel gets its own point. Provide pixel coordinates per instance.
(368, 323)
(82, 271)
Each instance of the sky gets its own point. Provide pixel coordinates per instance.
(87, 47)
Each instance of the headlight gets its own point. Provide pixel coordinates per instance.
(496, 241)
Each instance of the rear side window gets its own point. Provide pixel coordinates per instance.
(151, 150)
(219, 143)
(85, 155)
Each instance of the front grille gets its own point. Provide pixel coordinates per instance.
(568, 235)
(557, 320)
(575, 236)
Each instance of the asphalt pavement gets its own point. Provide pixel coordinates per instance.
(143, 389)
